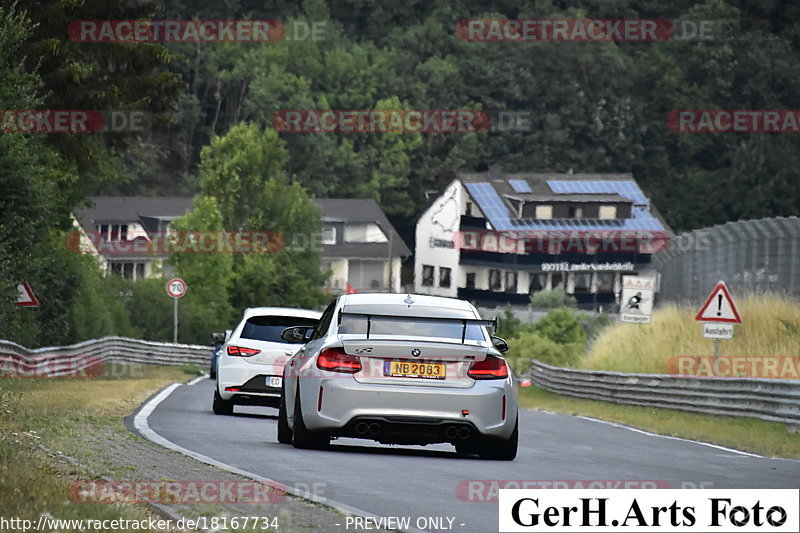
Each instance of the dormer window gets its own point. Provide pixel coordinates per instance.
(544, 211)
(113, 232)
(364, 232)
(329, 235)
(608, 212)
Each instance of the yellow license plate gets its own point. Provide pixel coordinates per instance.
(413, 369)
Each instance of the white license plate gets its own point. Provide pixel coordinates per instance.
(274, 381)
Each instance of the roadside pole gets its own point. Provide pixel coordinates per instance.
(176, 288)
(175, 320)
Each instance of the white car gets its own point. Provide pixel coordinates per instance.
(400, 369)
(250, 363)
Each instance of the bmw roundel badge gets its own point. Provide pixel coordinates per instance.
(415, 352)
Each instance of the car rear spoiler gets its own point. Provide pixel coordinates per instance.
(463, 321)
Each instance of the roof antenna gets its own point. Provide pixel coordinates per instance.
(409, 300)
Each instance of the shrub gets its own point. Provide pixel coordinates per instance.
(552, 299)
(562, 326)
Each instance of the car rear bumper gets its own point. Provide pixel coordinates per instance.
(251, 382)
(345, 402)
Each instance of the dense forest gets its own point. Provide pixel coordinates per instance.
(593, 107)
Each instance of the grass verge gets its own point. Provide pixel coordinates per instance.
(770, 329)
(54, 412)
(747, 434)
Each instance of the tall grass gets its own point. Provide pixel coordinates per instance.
(771, 327)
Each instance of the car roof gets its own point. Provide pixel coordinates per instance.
(408, 305)
(280, 311)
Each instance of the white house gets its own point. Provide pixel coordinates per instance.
(496, 238)
(361, 248)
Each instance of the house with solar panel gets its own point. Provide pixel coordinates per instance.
(495, 238)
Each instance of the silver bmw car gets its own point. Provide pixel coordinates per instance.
(400, 369)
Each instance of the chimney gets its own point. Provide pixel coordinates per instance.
(495, 172)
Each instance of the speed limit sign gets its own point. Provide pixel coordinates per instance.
(176, 287)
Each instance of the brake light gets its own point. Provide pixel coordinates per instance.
(490, 368)
(241, 351)
(335, 360)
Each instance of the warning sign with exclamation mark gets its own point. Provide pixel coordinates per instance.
(719, 307)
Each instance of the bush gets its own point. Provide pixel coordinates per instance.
(558, 339)
(562, 326)
(552, 299)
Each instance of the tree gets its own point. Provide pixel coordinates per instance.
(244, 172)
(206, 306)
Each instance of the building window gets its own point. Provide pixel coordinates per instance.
(495, 280)
(583, 283)
(427, 275)
(113, 232)
(605, 282)
(127, 270)
(576, 212)
(556, 280)
(511, 281)
(470, 280)
(608, 212)
(328, 235)
(369, 232)
(470, 240)
(444, 276)
(468, 209)
(544, 211)
(366, 274)
(537, 283)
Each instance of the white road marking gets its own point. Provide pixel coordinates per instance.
(140, 422)
(197, 379)
(643, 432)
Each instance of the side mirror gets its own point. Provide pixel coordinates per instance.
(219, 337)
(499, 344)
(297, 334)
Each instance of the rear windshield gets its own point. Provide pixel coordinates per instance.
(269, 328)
(409, 327)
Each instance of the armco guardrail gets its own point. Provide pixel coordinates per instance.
(767, 399)
(81, 358)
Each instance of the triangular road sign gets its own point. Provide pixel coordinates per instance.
(719, 307)
(26, 297)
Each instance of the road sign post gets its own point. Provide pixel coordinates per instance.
(718, 314)
(176, 288)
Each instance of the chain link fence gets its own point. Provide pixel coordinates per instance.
(752, 256)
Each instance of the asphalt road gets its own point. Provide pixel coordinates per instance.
(432, 481)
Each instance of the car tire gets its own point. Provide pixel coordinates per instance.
(500, 450)
(302, 437)
(284, 431)
(466, 448)
(221, 407)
